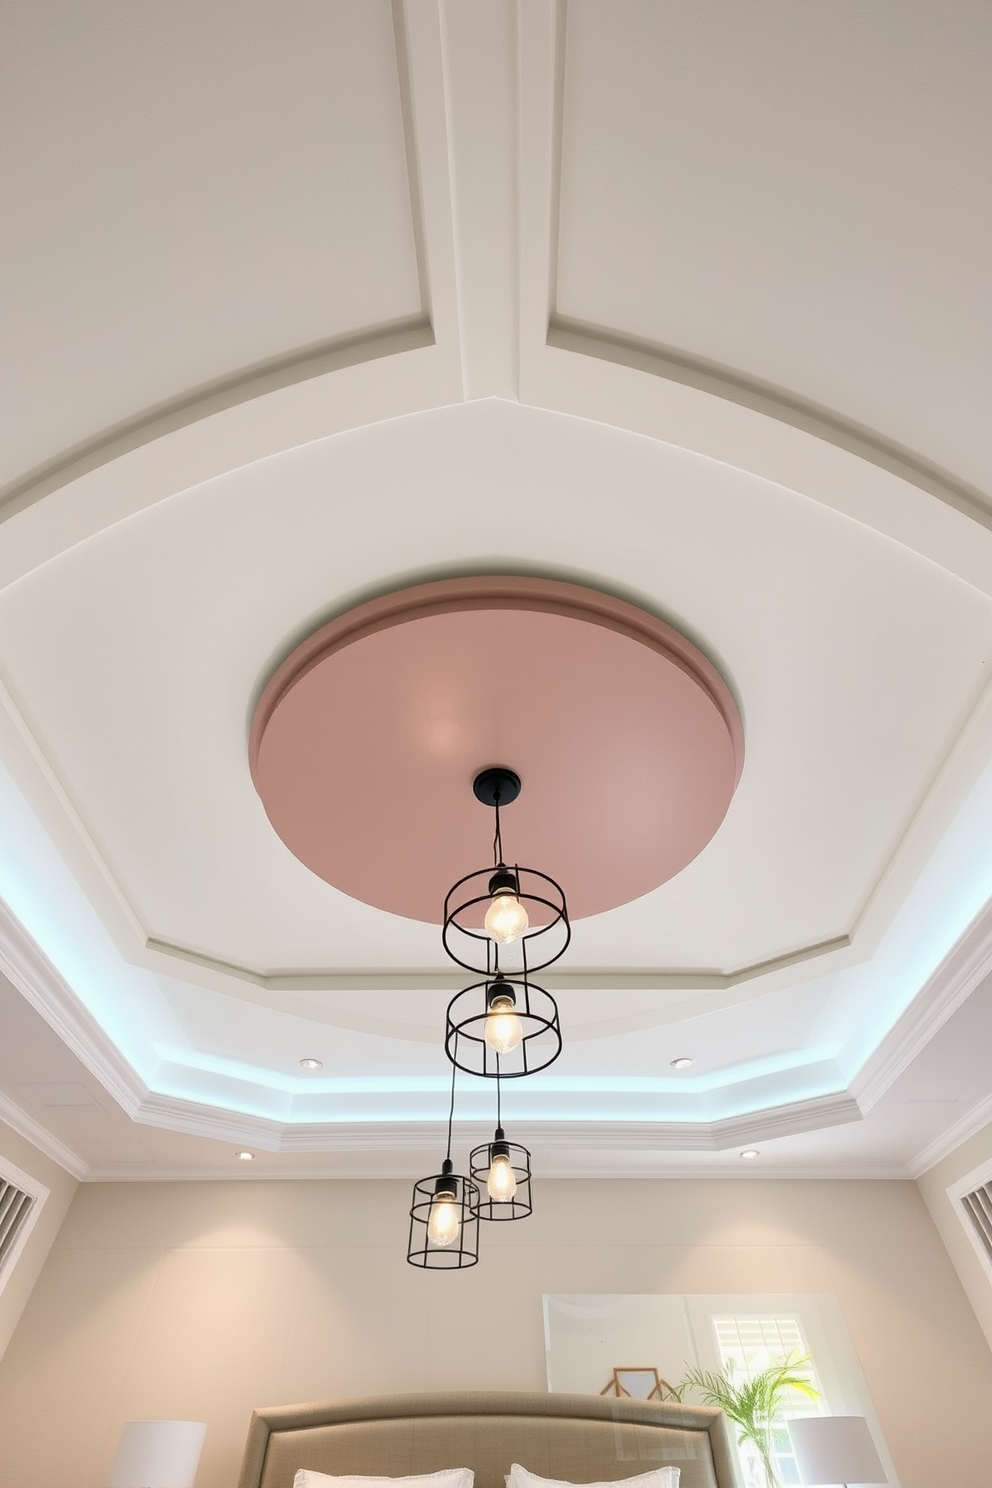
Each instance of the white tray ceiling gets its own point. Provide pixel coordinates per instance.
(301, 308)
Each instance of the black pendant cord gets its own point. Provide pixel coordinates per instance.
(497, 863)
(499, 1082)
(498, 839)
(451, 1107)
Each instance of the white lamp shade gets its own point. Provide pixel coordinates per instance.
(158, 1454)
(834, 1450)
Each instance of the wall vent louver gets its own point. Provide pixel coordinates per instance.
(977, 1206)
(15, 1206)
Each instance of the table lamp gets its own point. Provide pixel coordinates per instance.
(835, 1450)
(158, 1454)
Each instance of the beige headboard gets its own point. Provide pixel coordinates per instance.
(580, 1438)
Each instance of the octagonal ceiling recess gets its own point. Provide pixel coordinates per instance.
(366, 740)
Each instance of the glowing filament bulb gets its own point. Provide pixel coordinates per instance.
(502, 1181)
(444, 1220)
(506, 919)
(503, 1028)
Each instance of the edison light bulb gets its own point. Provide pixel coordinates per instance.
(502, 1182)
(444, 1221)
(503, 1028)
(506, 918)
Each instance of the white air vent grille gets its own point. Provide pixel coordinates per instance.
(15, 1206)
(978, 1207)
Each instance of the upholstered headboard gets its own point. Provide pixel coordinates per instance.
(579, 1438)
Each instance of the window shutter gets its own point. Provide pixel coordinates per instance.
(977, 1206)
(15, 1206)
(756, 1342)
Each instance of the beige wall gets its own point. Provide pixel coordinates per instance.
(973, 1154)
(61, 1185)
(204, 1300)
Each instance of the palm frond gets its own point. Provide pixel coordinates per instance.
(754, 1402)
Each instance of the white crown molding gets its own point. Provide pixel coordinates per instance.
(968, 1126)
(380, 1167)
(727, 383)
(788, 1120)
(407, 334)
(47, 991)
(196, 1119)
(27, 967)
(705, 979)
(964, 967)
(32, 1131)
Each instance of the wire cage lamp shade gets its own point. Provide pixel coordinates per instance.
(469, 902)
(444, 1215)
(503, 1028)
(502, 1171)
(444, 1222)
(506, 911)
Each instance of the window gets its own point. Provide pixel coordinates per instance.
(15, 1206)
(21, 1199)
(761, 1330)
(978, 1207)
(750, 1343)
(589, 1335)
(972, 1200)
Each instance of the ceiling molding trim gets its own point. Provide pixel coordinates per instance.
(785, 1121)
(196, 1119)
(968, 1126)
(32, 1131)
(587, 339)
(962, 970)
(445, 981)
(41, 985)
(68, 807)
(404, 83)
(301, 365)
(557, 75)
(642, 1169)
(49, 994)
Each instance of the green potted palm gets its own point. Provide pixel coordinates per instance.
(754, 1402)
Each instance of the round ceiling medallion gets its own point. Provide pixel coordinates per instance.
(367, 739)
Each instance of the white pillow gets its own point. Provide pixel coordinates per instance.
(659, 1477)
(449, 1477)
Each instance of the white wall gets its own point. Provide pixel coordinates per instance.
(19, 1282)
(204, 1300)
(971, 1155)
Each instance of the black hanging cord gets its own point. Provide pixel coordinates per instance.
(498, 839)
(499, 1082)
(451, 1108)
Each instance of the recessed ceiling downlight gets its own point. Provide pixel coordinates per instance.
(245, 1156)
(682, 1063)
(311, 1064)
(750, 1153)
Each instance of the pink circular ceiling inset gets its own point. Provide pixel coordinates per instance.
(366, 741)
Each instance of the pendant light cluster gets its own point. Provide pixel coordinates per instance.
(503, 923)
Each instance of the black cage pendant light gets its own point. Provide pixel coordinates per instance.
(502, 1028)
(505, 911)
(505, 922)
(502, 1170)
(444, 1215)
